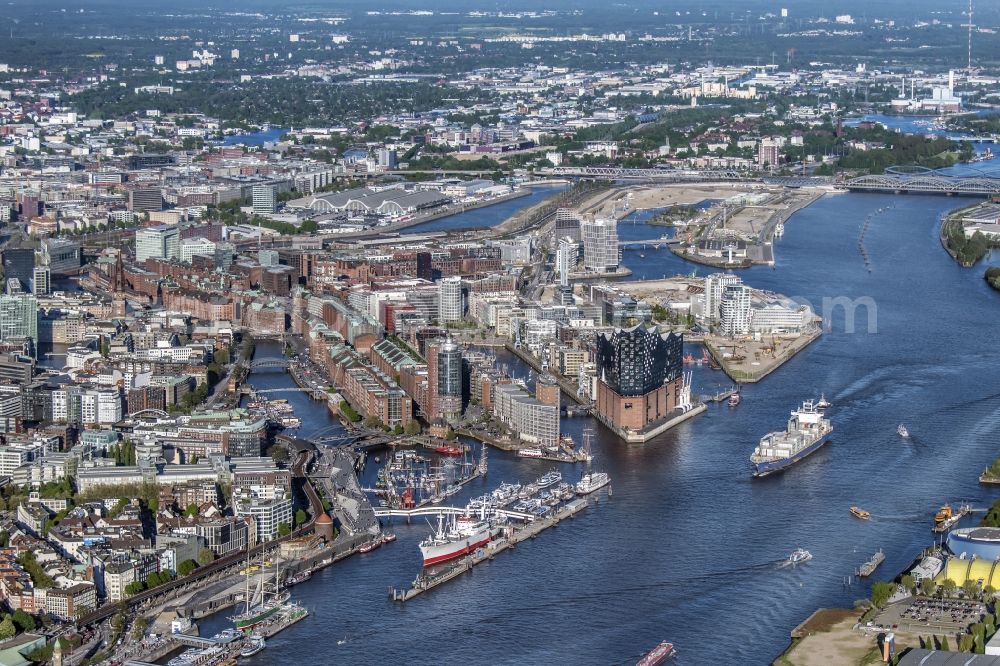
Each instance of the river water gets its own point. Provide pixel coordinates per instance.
(487, 216)
(689, 546)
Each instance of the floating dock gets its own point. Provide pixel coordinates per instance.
(528, 531)
(869, 567)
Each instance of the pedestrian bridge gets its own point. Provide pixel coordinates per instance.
(920, 180)
(385, 512)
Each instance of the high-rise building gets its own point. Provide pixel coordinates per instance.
(449, 381)
(450, 299)
(735, 311)
(387, 158)
(41, 283)
(768, 153)
(18, 317)
(148, 199)
(264, 202)
(600, 244)
(566, 256)
(61, 256)
(19, 264)
(567, 224)
(159, 242)
(425, 268)
(715, 285)
(640, 376)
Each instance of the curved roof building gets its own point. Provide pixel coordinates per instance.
(983, 542)
(977, 551)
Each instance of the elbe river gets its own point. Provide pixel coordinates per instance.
(689, 547)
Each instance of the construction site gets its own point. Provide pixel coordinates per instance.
(747, 360)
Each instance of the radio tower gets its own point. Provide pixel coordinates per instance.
(970, 35)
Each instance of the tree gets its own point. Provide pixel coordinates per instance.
(944, 644)
(139, 626)
(908, 582)
(301, 517)
(284, 529)
(412, 428)
(278, 453)
(927, 586)
(948, 587)
(191, 510)
(7, 629)
(965, 643)
(23, 621)
(134, 587)
(451, 436)
(398, 430)
(186, 567)
(119, 619)
(205, 556)
(970, 588)
(153, 580)
(881, 591)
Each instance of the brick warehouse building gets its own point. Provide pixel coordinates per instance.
(640, 376)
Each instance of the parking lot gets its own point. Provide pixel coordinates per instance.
(922, 613)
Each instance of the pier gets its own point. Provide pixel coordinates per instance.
(869, 567)
(517, 534)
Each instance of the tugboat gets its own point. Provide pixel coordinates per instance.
(822, 403)
(858, 512)
(902, 431)
(799, 555)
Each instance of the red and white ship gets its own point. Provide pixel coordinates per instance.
(456, 537)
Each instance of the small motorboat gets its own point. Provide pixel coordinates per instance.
(389, 537)
(254, 645)
(799, 555)
(858, 512)
(735, 399)
(902, 431)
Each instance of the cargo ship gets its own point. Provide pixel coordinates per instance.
(457, 537)
(806, 432)
(656, 655)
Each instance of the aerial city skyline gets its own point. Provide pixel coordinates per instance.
(316, 318)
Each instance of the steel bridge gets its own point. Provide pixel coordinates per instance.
(658, 175)
(926, 181)
(268, 363)
(151, 412)
(383, 512)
